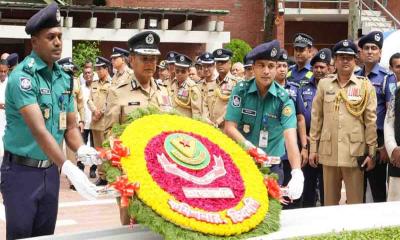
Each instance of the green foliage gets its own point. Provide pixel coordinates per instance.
(239, 48)
(83, 51)
(381, 234)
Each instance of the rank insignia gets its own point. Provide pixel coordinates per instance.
(287, 111)
(246, 128)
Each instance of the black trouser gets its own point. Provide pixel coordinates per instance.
(298, 203)
(377, 177)
(313, 180)
(86, 134)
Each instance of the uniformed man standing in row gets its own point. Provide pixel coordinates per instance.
(140, 91)
(40, 115)
(313, 178)
(248, 68)
(219, 90)
(343, 128)
(185, 93)
(170, 60)
(261, 114)
(301, 73)
(118, 59)
(370, 55)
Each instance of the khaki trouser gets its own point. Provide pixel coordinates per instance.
(353, 179)
(123, 213)
(394, 189)
(98, 138)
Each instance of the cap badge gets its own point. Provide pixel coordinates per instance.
(298, 38)
(150, 39)
(219, 52)
(182, 58)
(377, 37)
(322, 55)
(58, 15)
(273, 52)
(345, 43)
(207, 56)
(284, 56)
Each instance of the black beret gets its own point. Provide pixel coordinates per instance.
(302, 40)
(182, 60)
(375, 37)
(102, 62)
(323, 55)
(345, 47)
(47, 17)
(283, 56)
(170, 58)
(12, 59)
(206, 58)
(144, 43)
(266, 51)
(222, 54)
(119, 52)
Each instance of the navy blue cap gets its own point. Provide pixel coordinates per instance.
(265, 51)
(198, 61)
(144, 43)
(47, 17)
(12, 59)
(171, 57)
(375, 37)
(323, 55)
(119, 52)
(102, 62)
(67, 64)
(283, 56)
(206, 58)
(222, 54)
(182, 60)
(345, 47)
(247, 62)
(302, 40)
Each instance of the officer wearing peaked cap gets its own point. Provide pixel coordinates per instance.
(185, 93)
(300, 73)
(207, 83)
(12, 60)
(119, 58)
(305, 97)
(384, 83)
(140, 91)
(343, 127)
(170, 60)
(40, 114)
(218, 90)
(248, 68)
(260, 111)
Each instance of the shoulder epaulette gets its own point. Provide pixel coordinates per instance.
(29, 66)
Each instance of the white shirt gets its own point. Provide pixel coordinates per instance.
(2, 115)
(88, 113)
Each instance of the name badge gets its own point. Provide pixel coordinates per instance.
(263, 141)
(249, 112)
(63, 120)
(45, 91)
(133, 103)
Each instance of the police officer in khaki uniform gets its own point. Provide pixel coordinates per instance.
(170, 61)
(185, 93)
(97, 100)
(118, 60)
(343, 127)
(139, 92)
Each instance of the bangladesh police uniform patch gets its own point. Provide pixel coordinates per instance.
(287, 111)
(25, 84)
(236, 101)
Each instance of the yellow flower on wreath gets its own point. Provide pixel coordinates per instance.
(136, 137)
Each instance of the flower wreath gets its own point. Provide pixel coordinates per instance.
(191, 181)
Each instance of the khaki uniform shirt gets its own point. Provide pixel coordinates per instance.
(337, 135)
(119, 77)
(130, 95)
(216, 96)
(186, 98)
(79, 105)
(97, 101)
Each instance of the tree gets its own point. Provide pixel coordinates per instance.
(83, 51)
(239, 48)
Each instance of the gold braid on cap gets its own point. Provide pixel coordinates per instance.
(355, 108)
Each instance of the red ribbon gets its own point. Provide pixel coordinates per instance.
(273, 187)
(126, 189)
(259, 158)
(114, 154)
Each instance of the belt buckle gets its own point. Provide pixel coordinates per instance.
(44, 164)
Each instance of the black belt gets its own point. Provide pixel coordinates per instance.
(30, 162)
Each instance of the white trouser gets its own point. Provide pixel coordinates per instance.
(394, 189)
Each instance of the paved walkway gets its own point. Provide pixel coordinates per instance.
(75, 214)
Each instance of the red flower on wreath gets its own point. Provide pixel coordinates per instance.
(114, 154)
(126, 189)
(274, 190)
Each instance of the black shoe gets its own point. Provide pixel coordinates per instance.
(72, 187)
(80, 165)
(101, 182)
(92, 173)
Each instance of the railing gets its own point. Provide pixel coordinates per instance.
(338, 4)
(389, 14)
(378, 19)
